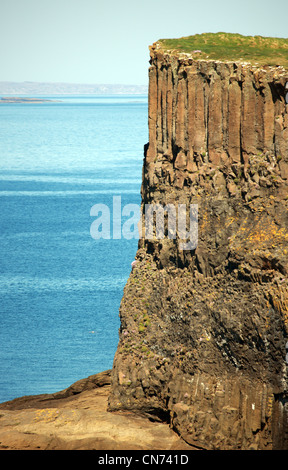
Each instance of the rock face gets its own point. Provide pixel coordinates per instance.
(203, 331)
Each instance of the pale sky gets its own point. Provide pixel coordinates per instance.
(92, 41)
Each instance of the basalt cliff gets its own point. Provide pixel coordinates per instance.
(204, 328)
(203, 331)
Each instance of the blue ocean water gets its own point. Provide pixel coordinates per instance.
(60, 289)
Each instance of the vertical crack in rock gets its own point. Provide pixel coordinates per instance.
(203, 330)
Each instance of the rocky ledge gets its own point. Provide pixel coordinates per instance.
(77, 419)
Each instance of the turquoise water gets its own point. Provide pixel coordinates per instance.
(60, 289)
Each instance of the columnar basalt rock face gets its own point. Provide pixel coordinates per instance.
(203, 331)
(225, 111)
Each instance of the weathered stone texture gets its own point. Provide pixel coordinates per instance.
(203, 332)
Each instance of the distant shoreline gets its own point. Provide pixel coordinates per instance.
(58, 88)
(15, 99)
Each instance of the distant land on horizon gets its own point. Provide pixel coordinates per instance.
(61, 88)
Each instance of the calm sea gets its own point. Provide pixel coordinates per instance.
(60, 289)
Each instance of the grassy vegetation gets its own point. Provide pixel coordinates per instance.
(228, 46)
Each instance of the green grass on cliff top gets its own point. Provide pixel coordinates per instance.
(228, 46)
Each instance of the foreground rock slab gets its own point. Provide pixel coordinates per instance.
(77, 419)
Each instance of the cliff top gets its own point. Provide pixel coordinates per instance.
(227, 46)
